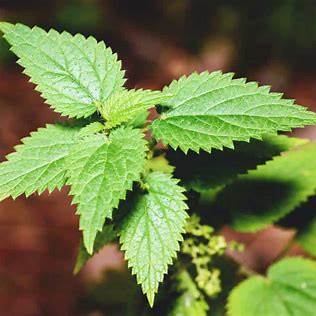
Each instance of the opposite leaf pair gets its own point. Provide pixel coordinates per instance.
(78, 77)
(81, 78)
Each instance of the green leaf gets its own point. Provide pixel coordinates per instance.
(151, 231)
(303, 221)
(104, 237)
(205, 171)
(289, 289)
(159, 163)
(139, 121)
(213, 110)
(38, 163)
(125, 105)
(73, 74)
(101, 170)
(92, 128)
(307, 237)
(190, 302)
(265, 195)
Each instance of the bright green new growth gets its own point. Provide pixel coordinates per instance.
(90, 129)
(211, 110)
(104, 156)
(125, 105)
(289, 289)
(151, 231)
(202, 246)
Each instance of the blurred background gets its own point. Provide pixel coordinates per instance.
(273, 42)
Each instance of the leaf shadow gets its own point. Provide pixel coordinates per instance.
(254, 202)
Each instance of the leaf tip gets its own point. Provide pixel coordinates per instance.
(76, 268)
(151, 298)
(6, 27)
(88, 243)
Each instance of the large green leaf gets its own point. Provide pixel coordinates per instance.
(213, 110)
(38, 163)
(125, 105)
(74, 74)
(206, 171)
(289, 289)
(265, 195)
(101, 170)
(151, 231)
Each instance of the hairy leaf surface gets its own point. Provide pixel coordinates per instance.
(211, 110)
(101, 170)
(38, 163)
(289, 289)
(139, 120)
(125, 105)
(90, 129)
(151, 231)
(73, 73)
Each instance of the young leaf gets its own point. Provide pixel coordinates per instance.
(151, 231)
(38, 163)
(139, 120)
(213, 110)
(125, 105)
(90, 129)
(191, 302)
(104, 237)
(267, 194)
(101, 171)
(159, 163)
(210, 171)
(289, 289)
(73, 74)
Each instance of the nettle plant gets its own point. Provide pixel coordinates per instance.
(220, 140)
